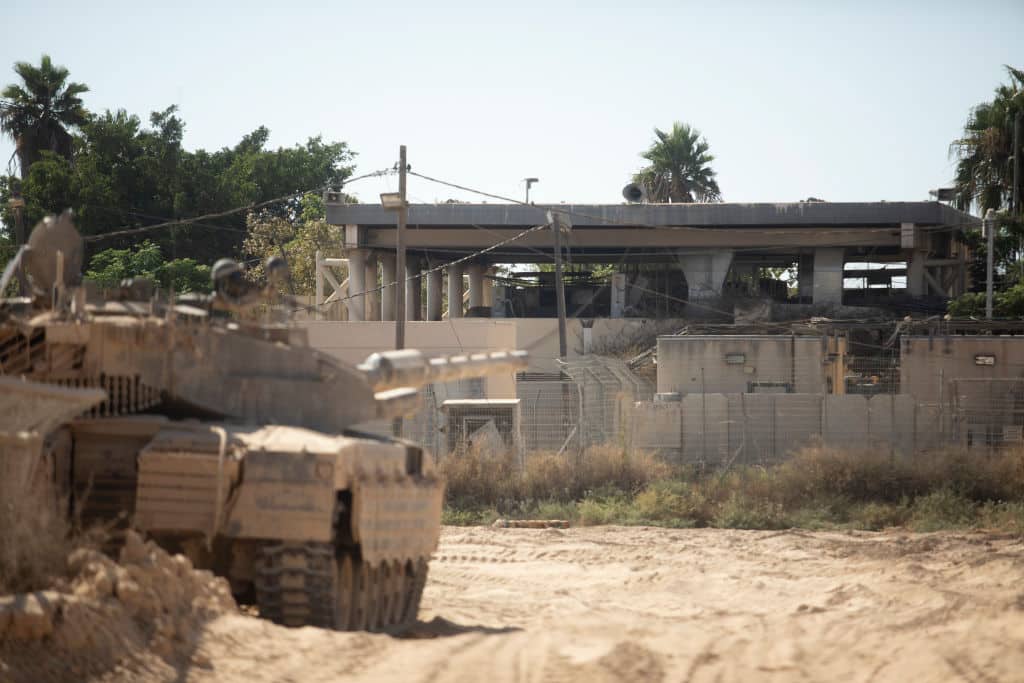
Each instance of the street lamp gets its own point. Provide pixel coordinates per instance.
(392, 201)
(529, 182)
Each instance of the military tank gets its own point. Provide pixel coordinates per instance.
(222, 435)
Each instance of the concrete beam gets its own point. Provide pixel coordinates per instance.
(637, 239)
(795, 214)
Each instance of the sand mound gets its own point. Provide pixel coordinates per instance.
(144, 612)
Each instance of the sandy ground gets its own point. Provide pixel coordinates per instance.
(613, 604)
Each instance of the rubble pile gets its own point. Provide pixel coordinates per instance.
(148, 605)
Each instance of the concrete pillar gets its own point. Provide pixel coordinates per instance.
(618, 305)
(916, 284)
(372, 293)
(805, 276)
(489, 287)
(828, 275)
(413, 290)
(387, 295)
(455, 290)
(476, 284)
(705, 273)
(356, 284)
(434, 295)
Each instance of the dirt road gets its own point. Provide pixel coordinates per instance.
(614, 604)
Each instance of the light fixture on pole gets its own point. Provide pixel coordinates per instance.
(392, 201)
(529, 182)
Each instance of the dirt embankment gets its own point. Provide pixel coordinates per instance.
(139, 617)
(640, 604)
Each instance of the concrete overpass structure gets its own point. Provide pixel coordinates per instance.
(707, 247)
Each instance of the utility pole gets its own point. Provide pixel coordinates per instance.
(556, 219)
(403, 216)
(17, 205)
(989, 227)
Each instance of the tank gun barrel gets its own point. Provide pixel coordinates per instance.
(409, 368)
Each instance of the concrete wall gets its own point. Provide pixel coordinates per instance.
(797, 361)
(764, 428)
(929, 365)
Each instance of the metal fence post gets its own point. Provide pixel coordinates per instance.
(704, 421)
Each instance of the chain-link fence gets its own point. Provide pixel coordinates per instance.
(987, 413)
(599, 400)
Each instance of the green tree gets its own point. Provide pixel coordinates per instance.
(110, 266)
(298, 239)
(127, 174)
(679, 169)
(984, 154)
(1008, 303)
(39, 113)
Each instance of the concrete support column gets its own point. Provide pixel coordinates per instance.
(619, 291)
(413, 290)
(356, 284)
(828, 275)
(476, 284)
(455, 290)
(372, 297)
(489, 288)
(705, 273)
(387, 295)
(805, 276)
(916, 284)
(434, 295)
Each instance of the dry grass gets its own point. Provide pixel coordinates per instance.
(502, 482)
(817, 487)
(35, 544)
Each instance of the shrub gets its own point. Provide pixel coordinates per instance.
(942, 509)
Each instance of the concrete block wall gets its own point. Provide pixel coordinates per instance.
(764, 429)
(731, 363)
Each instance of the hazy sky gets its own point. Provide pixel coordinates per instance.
(845, 101)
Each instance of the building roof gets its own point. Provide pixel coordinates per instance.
(645, 232)
(657, 215)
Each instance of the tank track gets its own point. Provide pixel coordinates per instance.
(314, 584)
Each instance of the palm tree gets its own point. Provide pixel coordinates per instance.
(679, 170)
(984, 155)
(38, 113)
